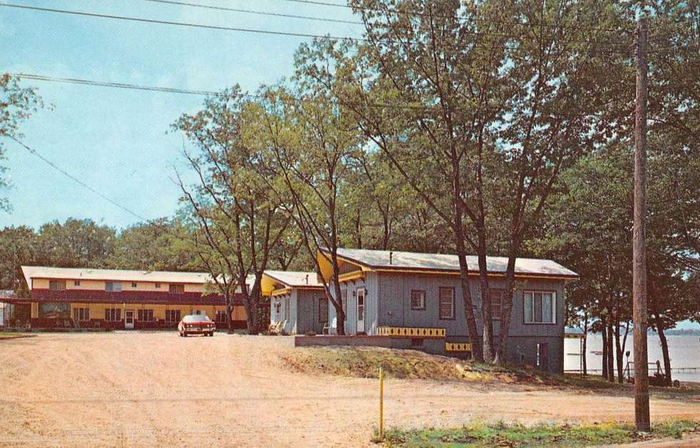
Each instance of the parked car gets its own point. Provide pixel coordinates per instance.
(196, 324)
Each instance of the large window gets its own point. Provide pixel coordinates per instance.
(540, 307)
(145, 316)
(447, 303)
(57, 285)
(177, 289)
(81, 314)
(113, 286)
(220, 317)
(417, 299)
(113, 314)
(496, 302)
(322, 310)
(172, 316)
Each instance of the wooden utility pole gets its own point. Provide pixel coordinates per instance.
(639, 265)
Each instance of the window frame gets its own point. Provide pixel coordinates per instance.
(554, 306)
(81, 314)
(421, 308)
(145, 315)
(169, 316)
(176, 288)
(322, 317)
(58, 285)
(109, 286)
(110, 313)
(501, 294)
(452, 290)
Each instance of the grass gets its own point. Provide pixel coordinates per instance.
(364, 362)
(481, 435)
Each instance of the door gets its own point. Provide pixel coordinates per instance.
(360, 311)
(129, 319)
(542, 358)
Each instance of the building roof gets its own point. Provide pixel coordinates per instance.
(113, 275)
(295, 279)
(398, 260)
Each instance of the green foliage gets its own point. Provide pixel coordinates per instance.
(479, 434)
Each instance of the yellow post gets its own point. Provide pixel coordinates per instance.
(381, 403)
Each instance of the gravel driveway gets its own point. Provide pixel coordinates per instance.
(144, 389)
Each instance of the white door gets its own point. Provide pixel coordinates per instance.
(129, 319)
(360, 311)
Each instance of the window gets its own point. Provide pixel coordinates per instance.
(496, 302)
(113, 314)
(417, 299)
(177, 289)
(134, 284)
(113, 286)
(157, 285)
(81, 314)
(76, 282)
(57, 285)
(145, 316)
(323, 310)
(447, 303)
(220, 317)
(172, 316)
(540, 307)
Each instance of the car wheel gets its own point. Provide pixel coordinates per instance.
(211, 335)
(184, 334)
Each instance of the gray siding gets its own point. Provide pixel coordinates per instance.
(308, 311)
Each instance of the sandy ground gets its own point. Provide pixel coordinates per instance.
(138, 389)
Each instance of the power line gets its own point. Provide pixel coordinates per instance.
(182, 24)
(252, 11)
(118, 85)
(75, 179)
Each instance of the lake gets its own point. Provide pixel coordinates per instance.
(683, 349)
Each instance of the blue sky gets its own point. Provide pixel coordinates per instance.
(118, 141)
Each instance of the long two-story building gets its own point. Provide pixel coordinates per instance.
(123, 299)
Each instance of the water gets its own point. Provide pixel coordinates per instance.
(683, 349)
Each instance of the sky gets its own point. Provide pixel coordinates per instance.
(119, 141)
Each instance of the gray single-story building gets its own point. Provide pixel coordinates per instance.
(416, 299)
(298, 303)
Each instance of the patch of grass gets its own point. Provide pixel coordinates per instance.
(514, 435)
(364, 362)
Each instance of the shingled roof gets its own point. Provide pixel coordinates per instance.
(398, 260)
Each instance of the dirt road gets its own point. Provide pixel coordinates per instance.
(134, 389)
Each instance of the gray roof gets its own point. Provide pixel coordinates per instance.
(295, 279)
(385, 259)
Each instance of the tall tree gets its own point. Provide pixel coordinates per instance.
(75, 243)
(237, 220)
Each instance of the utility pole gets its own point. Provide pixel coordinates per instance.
(639, 265)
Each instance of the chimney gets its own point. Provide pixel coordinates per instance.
(391, 257)
(307, 279)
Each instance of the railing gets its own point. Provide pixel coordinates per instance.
(458, 347)
(411, 332)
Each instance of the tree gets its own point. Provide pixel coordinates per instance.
(18, 246)
(75, 243)
(16, 105)
(236, 220)
(157, 245)
(316, 149)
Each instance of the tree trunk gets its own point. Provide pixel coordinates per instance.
(584, 343)
(611, 368)
(618, 354)
(472, 330)
(486, 317)
(604, 364)
(506, 312)
(664, 349)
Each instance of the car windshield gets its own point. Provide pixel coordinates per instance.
(196, 318)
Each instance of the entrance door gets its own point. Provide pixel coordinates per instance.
(542, 357)
(360, 311)
(129, 319)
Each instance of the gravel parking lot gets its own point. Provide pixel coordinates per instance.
(143, 389)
